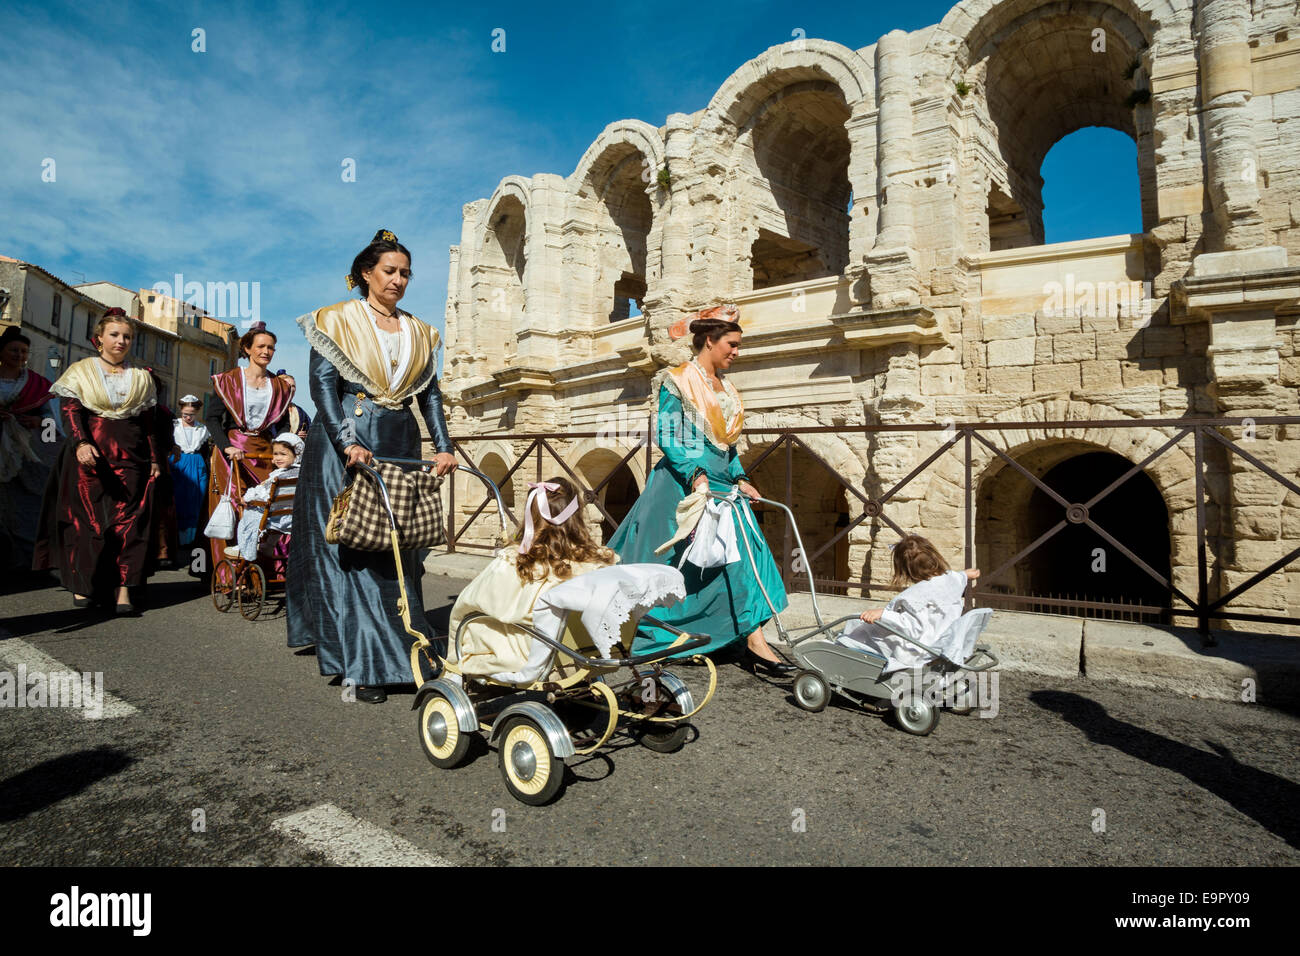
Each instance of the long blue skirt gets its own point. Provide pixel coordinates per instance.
(190, 481)
(725, 604)
(342, 600)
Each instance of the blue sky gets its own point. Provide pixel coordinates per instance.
(225, 165)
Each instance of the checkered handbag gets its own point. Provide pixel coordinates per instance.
(359, 520)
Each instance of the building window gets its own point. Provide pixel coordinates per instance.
(58, 307)
(138, 349)
(164, 349)
(212, 367)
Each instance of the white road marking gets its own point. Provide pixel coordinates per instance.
(348, 841)
(16, 654)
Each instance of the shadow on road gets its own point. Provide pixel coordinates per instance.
(54, 780)
(1265, 797)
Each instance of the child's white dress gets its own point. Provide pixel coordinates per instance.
(247, 534)
(496, 644)
(925, 612)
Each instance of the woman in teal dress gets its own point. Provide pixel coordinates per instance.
(699, 421)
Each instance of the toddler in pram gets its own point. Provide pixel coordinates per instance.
(925, 611)
(255, 522)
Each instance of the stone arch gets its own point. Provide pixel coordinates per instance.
(639, 135)
(615, 218)
(1172, 475)
(499, 278)
(1037, 80)
(967, 27)
(1011, 513)
(809, 59)
(494, 459)
(593, 461)
(780, 127)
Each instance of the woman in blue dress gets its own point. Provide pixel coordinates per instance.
(189, 468)
(699, 420)
(370, 363)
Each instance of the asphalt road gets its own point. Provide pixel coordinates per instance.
(230, 722)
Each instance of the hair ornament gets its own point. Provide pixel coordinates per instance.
(538, 490)
(352, 283)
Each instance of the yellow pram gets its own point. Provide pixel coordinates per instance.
(578, 691)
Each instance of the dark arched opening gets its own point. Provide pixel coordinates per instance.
(1076, 563)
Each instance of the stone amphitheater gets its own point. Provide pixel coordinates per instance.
(877, 216)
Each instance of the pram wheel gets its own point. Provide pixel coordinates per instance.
(663, 738)
(252, 591)
(532, 772)
(223, 586)
(916, 716)
(444, 743)
(811, 692)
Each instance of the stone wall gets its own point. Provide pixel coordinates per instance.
(876, 214)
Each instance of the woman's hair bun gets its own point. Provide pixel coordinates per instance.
(384, 235)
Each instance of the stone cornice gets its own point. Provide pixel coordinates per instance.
(1196, 298)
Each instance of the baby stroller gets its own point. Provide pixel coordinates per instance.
(582, 682)
(236, 580)
(831, 665)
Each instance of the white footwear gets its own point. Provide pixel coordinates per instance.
(232, 551)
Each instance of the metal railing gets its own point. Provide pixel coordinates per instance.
(965, 438)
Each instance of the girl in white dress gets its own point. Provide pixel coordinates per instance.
(924, 611)
(555, 547)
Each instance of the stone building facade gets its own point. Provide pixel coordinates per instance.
(876, 214)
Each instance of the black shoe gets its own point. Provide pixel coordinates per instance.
(372, 695)
(125, 610)
(81, 602)
(752, 662)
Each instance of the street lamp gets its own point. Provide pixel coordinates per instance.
(52, 356)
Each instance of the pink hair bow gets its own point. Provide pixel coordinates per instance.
(538, 490)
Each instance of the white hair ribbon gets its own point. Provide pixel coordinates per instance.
(538, 490)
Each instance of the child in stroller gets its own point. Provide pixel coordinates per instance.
(555, 547)
(285, 451)
(925, 611)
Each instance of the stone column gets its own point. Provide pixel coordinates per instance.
(1229, 138)
(1239, 293)
(667, 298)
(464, 354)
(863, 179)
(892, 262)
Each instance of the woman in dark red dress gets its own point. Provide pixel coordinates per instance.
(28, 445)
(99, 520)
(254, 409)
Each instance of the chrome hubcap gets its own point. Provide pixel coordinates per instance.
(523, 760)
(436, 726)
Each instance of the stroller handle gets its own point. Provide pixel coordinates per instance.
(496, 492)
(743, 535)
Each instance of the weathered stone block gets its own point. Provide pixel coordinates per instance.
(939, 379)
(1011, 352)
(1131, 375)
(1008, 327)
(1011, 381)
(1100, 374)
(1074, 347)
(1160, 341)
(1056, 378)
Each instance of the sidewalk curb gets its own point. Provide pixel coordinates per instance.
(1169, 659)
